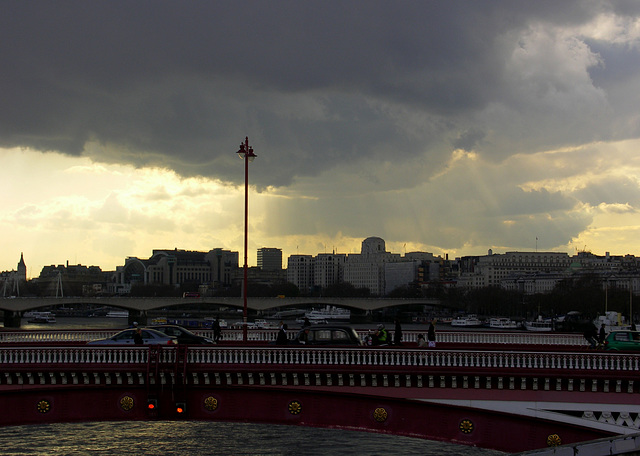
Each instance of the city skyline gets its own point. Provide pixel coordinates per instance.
(451, 128)
(314, 255)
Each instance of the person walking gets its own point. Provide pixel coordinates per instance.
(591, 335)
(137, 336)
(282, 335)
(397, 334)
(431, 334)
(603, 334)
(217, 331)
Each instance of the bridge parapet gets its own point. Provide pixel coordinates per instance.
(497, 360)
(507, 400)
(470, 338)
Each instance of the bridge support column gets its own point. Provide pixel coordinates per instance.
(139, 316)
(12, 319)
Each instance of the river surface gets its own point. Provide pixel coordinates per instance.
(195, 438)
(183, 438)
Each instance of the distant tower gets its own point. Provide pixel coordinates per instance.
(21, 273)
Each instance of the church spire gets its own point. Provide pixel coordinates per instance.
(22, 268)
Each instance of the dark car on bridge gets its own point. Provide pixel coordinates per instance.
(125, 337)
(183, 335)
(622, 341)
(327, 335)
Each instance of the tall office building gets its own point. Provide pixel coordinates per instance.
(300, 272)
(270, 259)
(328, 269)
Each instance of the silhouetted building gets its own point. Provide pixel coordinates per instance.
(215, 268)
(270, 259)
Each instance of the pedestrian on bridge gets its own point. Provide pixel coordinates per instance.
(431, 334)
(591, 335)
(137, 336)
(217, 331)
(603, 334)
(397, 335)
(282, 335)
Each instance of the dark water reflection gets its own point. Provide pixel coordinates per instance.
(185, 438)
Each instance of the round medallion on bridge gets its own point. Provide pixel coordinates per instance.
(211, 403)
(554, 440)
(126, 403)
(380, 414)
(466, 426)
(44, 406)
(295, 407)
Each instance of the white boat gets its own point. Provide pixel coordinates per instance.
(263, 324)
(329, 314)
(469, 321)
(40, 317)
(502, 323)
(118, 314)
(612, 321)
(286, 315)
(539, 325)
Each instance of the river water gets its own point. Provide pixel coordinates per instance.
(189, 438)
(183, 438)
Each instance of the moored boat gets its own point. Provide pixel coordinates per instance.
(539, 325)
(118, 314)
(329, 314)
(468, 321)
(40, 317)
(612, 321)
(502, 323)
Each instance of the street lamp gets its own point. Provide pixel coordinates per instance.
(245, 153)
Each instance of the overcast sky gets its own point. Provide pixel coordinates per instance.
(451, 127)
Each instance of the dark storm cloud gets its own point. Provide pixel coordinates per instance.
(314, 84)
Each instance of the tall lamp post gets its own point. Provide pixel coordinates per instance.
(245, 153)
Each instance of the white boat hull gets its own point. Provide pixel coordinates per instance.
(538, 326)
(467, 322)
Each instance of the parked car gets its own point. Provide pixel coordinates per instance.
(125, 337)
(328, 335)
(622, 340)
(183, 335)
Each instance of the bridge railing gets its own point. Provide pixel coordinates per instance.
(267, 335)
(14, 357)
(411, 336)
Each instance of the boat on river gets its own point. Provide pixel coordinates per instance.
(612, 321)
(539, 325)
(118, 314)
(469, 321)
(290, 314)
(329, 314)
(40, 317)
(502, 323)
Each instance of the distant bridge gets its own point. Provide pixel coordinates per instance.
(138, 307)
(509, 400)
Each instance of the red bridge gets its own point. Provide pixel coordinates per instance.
(509, 400)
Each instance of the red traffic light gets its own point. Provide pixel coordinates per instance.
(181, 407)
(152, 404)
